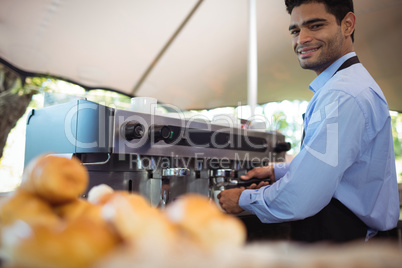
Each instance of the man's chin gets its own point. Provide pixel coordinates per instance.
(306, 65)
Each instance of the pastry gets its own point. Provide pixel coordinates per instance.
(25, 206)
(205, 224)
(76, 244)
(55, 179)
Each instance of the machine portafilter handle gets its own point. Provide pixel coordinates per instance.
(225, 178)
(246, 183)
(222, 177)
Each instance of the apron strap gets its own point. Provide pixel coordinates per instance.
(349, 62)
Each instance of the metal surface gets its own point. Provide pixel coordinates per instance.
(99, 162)
(176, 172)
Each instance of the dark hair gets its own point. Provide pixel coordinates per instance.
(338, 8)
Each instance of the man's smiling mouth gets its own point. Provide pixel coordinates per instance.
(300, 51)
(306, 52)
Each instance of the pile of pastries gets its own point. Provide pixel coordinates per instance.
(46, 223)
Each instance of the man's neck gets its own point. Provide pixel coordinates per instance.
(348, 49)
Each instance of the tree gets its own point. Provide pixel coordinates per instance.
(14, 100)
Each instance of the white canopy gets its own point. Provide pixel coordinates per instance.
(188, 53)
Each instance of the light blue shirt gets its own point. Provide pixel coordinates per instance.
(347, 154)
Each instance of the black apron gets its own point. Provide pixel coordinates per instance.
(335, 222)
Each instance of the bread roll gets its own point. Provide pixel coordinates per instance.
(136, 201)
(55, 179)
(137, 221)
(27, 207)
(78, 244)
(96, 193)
(76, 208)
(205, 224)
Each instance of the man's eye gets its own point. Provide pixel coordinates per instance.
(294, 32)
(316, 26)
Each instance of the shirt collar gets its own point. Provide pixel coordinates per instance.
(320, 80)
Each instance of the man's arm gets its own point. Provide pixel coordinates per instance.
(331, 146)
(229, 200)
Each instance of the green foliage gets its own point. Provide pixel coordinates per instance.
(58, 91)
(289, 128)
(280, 120)
(396, 122)
(37, 81)
(108, 98)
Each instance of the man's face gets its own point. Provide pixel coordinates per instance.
(316, 37)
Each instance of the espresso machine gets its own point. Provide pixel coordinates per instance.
(157, 156)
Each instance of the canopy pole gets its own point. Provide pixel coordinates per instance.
(165, 47)
(252, 58)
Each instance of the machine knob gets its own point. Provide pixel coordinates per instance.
(157, 133)
(133, 130)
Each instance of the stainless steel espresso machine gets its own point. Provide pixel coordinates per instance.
(157, 156)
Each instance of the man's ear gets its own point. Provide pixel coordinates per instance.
(348, 24)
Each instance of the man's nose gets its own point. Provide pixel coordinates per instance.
(304, 37)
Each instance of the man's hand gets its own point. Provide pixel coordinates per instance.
(229, 200)
(260, 173)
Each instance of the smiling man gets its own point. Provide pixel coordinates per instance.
(318, 39)
(342, 185)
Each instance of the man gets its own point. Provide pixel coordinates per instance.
(342, 185)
